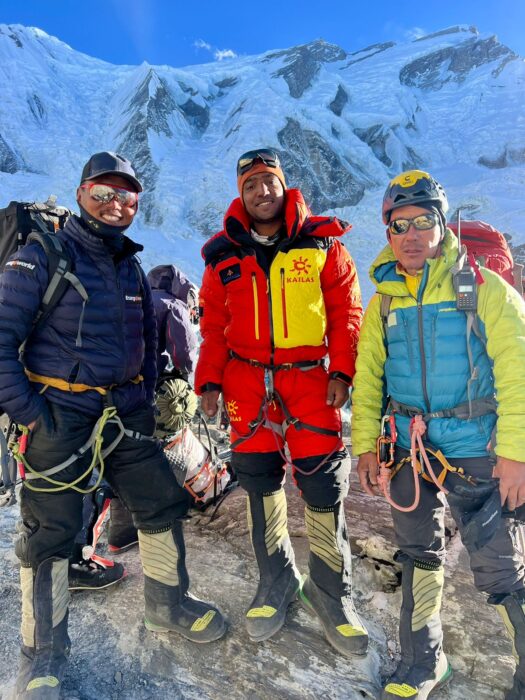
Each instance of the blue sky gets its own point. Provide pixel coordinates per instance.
(198, 31)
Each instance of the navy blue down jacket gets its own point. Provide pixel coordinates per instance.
(117, 339)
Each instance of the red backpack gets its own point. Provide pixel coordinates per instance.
(490, 249)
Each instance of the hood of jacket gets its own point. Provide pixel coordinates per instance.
(170, 279)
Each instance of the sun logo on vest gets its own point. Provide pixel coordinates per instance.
(232, 407)
(300, 270)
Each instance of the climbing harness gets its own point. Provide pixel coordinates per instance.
(272, 397)
(95, 442)
(385, 448)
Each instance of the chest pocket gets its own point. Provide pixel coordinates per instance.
(298, 310)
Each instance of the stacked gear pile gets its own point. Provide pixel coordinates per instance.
(19, 219)
(198, 469)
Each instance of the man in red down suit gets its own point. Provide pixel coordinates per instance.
(279, 294)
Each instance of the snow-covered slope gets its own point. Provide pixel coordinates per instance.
(344, 124)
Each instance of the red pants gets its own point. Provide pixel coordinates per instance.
(303, 392)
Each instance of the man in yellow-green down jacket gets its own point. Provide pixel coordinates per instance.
(461, 375)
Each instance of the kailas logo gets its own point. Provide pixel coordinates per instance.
(135, 299)
(300, 271)
(232, 408)
(20, 263)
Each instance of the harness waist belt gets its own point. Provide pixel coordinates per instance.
(464, 411)
(300, 364)
(62, 385)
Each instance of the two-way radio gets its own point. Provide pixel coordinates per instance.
(465, 279)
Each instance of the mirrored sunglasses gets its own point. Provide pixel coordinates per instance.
(106, 193)
(423, 222)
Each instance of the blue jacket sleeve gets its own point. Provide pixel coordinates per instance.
(22, 286)
(149, 366)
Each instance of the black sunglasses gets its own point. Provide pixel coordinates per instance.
(423, 222)
(263, 155)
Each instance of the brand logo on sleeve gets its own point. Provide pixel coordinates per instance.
(20, 263)
(231, 273)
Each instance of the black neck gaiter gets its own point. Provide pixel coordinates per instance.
(111, 236)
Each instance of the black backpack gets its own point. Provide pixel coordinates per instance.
(23, 222)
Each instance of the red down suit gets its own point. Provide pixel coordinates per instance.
(300, 305)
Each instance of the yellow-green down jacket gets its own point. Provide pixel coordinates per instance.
(424, 362)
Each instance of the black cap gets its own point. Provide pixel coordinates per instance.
(108, 163)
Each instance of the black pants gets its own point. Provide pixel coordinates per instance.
(498, 567)
(136, 470)
(264, 472)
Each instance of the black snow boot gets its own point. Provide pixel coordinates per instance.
(45, 642)
(92, 573)
(279, 580)
(327, 589)
(122, 533)
(424, 666)
(169, 606)
(511, 607)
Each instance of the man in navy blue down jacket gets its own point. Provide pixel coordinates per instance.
(88, 359)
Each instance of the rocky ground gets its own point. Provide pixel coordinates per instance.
(114, 657)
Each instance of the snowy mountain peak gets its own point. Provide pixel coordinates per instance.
(457, 29)
(35, 43)
(433, 70)
(302, 63)
(343, 123)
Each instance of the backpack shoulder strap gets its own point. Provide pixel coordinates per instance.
(60, 277)
(384, 310)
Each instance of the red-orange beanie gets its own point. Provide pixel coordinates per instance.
(259, 167)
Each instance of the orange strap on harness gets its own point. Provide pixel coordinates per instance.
(62, 385)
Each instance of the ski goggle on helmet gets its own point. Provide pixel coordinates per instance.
(413, 187)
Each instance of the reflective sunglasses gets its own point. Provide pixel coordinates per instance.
(106, 193)
(423, 222)
(264, 155)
